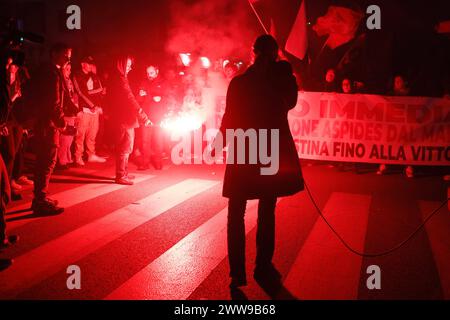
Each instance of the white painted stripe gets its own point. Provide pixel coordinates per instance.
(57, 254)
(182, 268)
(69, 198)
(324, 268)
(439, 236)
(16, 206)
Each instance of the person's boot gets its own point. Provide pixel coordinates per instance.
(79, 162)
(124, 181)
(46, 207)
(8, 241)
(16, 196)
(5, 264)
(96, 158)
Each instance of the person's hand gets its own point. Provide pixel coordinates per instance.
(148, 123)
(4, 131)
(359, 85)
(100, 110)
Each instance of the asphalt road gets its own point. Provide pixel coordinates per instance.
(165, 237)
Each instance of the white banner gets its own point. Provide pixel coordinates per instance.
(372, 128)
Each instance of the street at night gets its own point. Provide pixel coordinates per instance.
(165, 237)
(232, 159)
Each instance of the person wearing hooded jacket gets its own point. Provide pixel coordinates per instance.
(126, 114)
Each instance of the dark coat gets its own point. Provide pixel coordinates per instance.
(154, 110)
(47, 95)
(261, 99)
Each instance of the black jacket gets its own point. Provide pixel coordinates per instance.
(123, 108)
(47, 95)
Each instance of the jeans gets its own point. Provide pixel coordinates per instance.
(265, 236)
(152, 144)
(46, 154)
(124, 147)
(10, 146)
(19, 160)
(87, 130)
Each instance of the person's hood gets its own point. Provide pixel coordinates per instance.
(121, 66)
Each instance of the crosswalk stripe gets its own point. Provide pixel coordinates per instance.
(87, 175)
(181, 269)
(438, 234)
(324, 268)
(67, 199)
(59, 253)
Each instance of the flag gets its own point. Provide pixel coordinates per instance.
(340, 24)
(443, 27)
(297, 42)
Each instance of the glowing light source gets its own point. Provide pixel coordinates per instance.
(185, 59)
(182, 123)
(157, 98)
(206, 63)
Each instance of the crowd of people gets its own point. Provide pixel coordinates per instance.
(69, 112)
(398, 86)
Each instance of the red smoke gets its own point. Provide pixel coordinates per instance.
(212, 28)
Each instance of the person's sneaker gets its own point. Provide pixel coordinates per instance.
(23, 180)
(124, 181)
(95, 158)
(79, 162)
(15, 186)
(130, 176)
(237, 282)
(15, 196)
(266, 272)
(46, 207)
(52, 201)
(5, 264)
(409, 172)
(9, 241)
(381, 169)
(143, 167)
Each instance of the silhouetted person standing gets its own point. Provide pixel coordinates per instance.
(260, 99)
(49, 97)
(126, 115)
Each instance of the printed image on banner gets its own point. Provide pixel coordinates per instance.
(372, 128)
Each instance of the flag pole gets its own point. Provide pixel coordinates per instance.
(257, 16)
